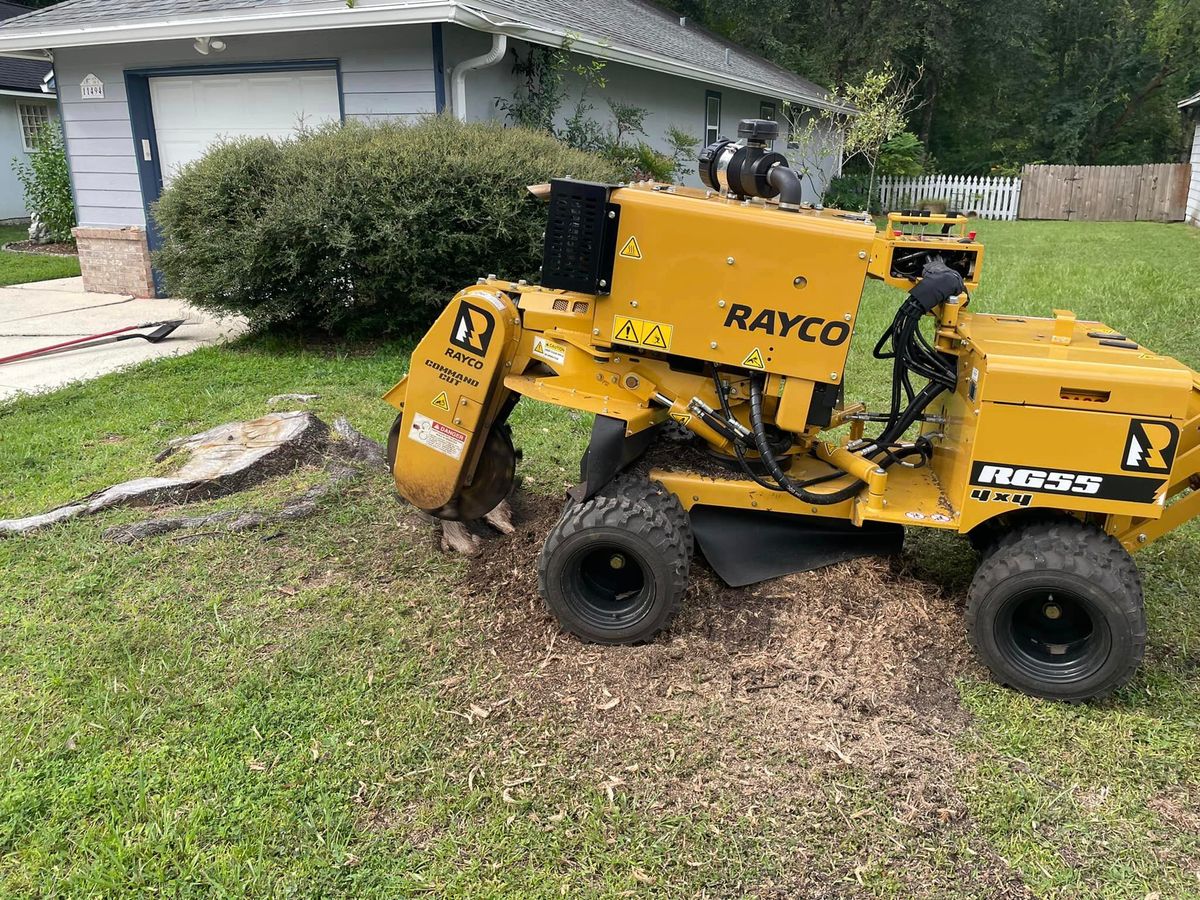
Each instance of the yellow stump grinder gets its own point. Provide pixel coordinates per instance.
(708, 332)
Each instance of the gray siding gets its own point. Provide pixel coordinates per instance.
(671, 100)
(387, 73)
(12, 148)
(1193, 207)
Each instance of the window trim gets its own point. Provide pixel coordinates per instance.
(26, 144)
(709, 96)
(763, 107)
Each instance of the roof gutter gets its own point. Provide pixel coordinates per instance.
(478, 15)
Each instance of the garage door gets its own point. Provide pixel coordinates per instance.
(191, 112)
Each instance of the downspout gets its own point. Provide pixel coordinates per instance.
(458, 79)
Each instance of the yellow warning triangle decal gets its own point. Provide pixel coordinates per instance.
(656, 338)
(681, 418)
(754, 360)
(631, 250)
(628, 333)
(441, 401)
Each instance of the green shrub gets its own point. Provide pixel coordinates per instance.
(47, 183)
(849, 192)
(356, 228)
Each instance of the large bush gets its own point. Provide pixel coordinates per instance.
(359, 228)
(47, 183)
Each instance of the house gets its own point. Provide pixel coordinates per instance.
(26, 105)
(1191, 107)
(148, 85)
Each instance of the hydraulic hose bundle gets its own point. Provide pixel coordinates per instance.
(911, 353)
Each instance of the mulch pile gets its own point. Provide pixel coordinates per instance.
(760, 695)
(65, 248)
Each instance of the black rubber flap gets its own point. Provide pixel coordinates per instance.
(744, 546)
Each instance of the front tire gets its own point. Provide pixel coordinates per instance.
(613, 571)
(1056, 611)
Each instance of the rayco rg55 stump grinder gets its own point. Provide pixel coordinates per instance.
(708, 332)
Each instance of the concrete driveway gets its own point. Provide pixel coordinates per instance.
(51, 312)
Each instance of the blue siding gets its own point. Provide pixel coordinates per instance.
(387, 73)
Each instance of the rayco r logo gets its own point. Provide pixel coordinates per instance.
(809, 329)
(1150, 447)
(473, 329)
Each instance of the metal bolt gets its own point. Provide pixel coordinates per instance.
(631, 382)
(721, 303)
(603, 283)
(833, 376)
(848, 317)
(617, 562)
(595, 331)
(1142, 539)
(800, 281)
(862, 254)
(458, 421)
(612, 214)
(633, 303)
(462, 402)
(713, 345)
(729, 261)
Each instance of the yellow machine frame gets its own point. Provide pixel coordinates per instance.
(1050, 404)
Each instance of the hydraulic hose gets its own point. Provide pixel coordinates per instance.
(768, 457)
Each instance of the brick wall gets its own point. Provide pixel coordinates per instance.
(115, 261)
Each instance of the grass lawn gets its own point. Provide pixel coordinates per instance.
(20, 268)
(333, 709)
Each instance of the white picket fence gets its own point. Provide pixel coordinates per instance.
(988, 198)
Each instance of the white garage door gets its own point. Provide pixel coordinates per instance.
(191, 112)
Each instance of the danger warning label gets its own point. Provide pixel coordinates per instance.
(754, 360)
(437, 437)
(631, 250)
(681, 418)
(442, 401)
(657, 335)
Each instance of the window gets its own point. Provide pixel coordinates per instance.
(712, 117)
(34, 117)
(766, 110)
(791, 118)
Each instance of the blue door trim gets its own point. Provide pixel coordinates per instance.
(141, 116)
(439, 69)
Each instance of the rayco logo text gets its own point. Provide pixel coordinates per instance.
(781, 323)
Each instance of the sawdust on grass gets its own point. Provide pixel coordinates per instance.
(821, 706)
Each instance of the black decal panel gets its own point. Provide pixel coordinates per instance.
(1066, 483)
(473, 329)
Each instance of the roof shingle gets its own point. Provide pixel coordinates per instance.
(631, 25)
(20, 74)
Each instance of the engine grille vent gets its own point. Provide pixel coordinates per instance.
(579, 306)
(560, 305)
(581, 237)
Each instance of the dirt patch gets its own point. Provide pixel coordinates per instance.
(780, 697)
(64, 248)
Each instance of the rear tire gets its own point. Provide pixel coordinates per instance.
(613, 571)
(1056, 611)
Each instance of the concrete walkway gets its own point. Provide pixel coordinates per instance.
(50, 312)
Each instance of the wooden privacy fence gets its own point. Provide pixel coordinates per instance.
(988, 198)
(1152, 193)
